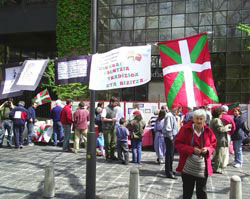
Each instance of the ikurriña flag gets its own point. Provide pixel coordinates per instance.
(187, 73)
(42, 98)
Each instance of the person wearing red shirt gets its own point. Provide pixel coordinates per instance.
(195, 139)
(66, 120)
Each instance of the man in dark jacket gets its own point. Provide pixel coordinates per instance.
(19, 116)
(31, 121)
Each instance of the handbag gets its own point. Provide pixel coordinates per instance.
(195, 165)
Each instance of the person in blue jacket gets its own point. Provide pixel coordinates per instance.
(19, 116)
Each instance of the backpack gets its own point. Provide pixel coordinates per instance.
(138, 130)
(6, 112)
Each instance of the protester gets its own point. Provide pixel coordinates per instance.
(6, 123)
(19, 116)
(108, 127)
(66, 120)
(137, 133)
(100, 139)
(122, 134)
(188, 116)
(169, 131)
(135, 108)
(164, 108)
(195, 143)
(30, 123)
(80, 123)
(228, 119)
(151, 124)
(238, 136)
(220, 130)
(159, 143)
(57, 125)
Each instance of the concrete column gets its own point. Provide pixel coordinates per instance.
(235, 188)
(49, 182)
(134, 184)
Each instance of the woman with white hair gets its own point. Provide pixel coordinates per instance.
(195, 143)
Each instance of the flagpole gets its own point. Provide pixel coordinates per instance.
(91, 136)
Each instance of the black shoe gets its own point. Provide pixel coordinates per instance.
(114, 158)
(9, 145)
(171, 176)
(1, 146)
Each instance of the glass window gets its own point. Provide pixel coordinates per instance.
(245, 16)
(103, 48)
(245, 58)
(103, 3)
(154, 61)
(26, 54)
(152, 35)
(165, 34)
(140, 10)
(232, 97)
(139, 23)
(141, 93)
(233, 17)
(233, 44)
(140, 1)
(127, 11)
(245, 72)
(245, 98)
(205, 18)
(113, 46)
(219, 45)
(152, 22)
(220, 31)
(115, 24)
(127, 1)
(178, 20)
(220, 4)
(115, 2)
(218, 59)
(232, 31)
(192, 19)
(165, 8)
(208, 29)
(178, 7)
(115, 11)
(139, 35)
(103, 24)
(192, 6)
(220, 18)
(128, 94)
(233, 72)
(245, 85)
(245, 4)
(245, 44)
(177, 33)
(205, 5)
(127, 36)
(191, 31)
(103, 12)
(14, 54)
(115, 36)
(165, 21)
(127, 23)
(233, 58)
(234, 4)
(103, 37)
(152, 9)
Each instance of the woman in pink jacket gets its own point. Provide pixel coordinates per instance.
(195, 143)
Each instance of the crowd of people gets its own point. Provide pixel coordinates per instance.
(203, 138)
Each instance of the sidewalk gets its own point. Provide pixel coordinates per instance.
(22, 176)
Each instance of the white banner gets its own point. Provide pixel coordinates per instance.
(31, 74)
(120, 68)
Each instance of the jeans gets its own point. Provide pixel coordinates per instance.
(7, 125)
(136, 150)
(238, 158)
(67, 132)
(169, 156)
(18, 132)
(57, 132)
(30, 127)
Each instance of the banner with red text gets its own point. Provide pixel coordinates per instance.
(120, 68)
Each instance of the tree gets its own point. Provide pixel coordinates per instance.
(73, 39)
(246, 29)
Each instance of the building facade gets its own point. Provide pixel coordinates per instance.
(141, 22)
(29, 32)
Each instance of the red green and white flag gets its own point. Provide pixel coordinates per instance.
(42, 98)
(187, 72)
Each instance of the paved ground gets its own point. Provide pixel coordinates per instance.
(22, 176)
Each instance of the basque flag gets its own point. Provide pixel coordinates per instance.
(187, 72)
(42, 98)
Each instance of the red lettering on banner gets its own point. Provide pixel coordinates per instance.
(141, 80)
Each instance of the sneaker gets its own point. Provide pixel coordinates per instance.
(237, 165)
(21, 146)
(31, 144)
